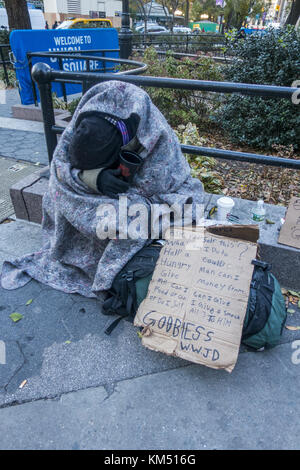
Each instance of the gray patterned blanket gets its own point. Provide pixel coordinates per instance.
(73, 258)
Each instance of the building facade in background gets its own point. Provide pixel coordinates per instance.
(59, 10)
(278, 11)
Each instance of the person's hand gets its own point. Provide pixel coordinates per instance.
(110, 183)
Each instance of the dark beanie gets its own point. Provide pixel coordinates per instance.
(97, 140)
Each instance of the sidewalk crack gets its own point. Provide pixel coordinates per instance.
(18, 369)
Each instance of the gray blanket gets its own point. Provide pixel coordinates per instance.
(73, 258)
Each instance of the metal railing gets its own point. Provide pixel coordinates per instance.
(44, 75)
(87, 57)
(183, 55)
(181, 42)
(4, 62)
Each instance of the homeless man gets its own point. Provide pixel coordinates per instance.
(111, 117)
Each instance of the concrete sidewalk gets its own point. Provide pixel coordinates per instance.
(19, 139)
(86, 390)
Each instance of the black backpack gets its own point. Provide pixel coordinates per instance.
(130, 286)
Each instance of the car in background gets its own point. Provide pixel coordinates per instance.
(154, 29)
(74, 23)
(140, 26)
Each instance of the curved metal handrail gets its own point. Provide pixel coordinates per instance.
(141, 66)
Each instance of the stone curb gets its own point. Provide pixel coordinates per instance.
(28, 193)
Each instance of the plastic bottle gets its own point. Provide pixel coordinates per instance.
(259, 212)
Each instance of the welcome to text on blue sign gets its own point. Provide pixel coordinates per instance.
(23, 41)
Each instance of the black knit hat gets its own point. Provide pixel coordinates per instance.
(97, 140)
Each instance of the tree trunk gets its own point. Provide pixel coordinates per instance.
(18, 15)
(187, 12)
(165, 12)
(294, 13)
(229, 19)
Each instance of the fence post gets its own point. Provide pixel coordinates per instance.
(4, 66)
(35, 97)
(41, 74)
(125, 34)
(63, 85)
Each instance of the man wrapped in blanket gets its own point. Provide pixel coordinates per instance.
(86, 184)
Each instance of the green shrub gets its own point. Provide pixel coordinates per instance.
(11, 77)
(183, 106)
(73, 105)
(4, 39)
(270, 59)
(202, 167)
(4, 36)
(59, 103)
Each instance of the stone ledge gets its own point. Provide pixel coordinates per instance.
(27, 194)
(284, 259)
(33, 197)
(27, 198)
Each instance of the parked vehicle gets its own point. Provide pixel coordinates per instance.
(36, 18)
(74, 23)
(154, 29)
(141, 25)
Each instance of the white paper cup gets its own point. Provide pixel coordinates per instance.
(225, 206)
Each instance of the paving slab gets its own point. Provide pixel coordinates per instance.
(14, 361)
(8, 98)
(191, 407)
(20, 237)
(19, 138)
(21, 125)
(23, 145)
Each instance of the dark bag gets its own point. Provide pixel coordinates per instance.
(265, 315)
(266, 312)
(130, 286)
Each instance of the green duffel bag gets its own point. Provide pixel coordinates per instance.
(266, 312)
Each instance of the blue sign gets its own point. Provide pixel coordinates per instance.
(254, 30)
(23, 41)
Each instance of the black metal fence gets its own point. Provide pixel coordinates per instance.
(44, 75)
(189, 43)
(88, 58)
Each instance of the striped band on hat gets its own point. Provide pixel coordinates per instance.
(122, 128)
